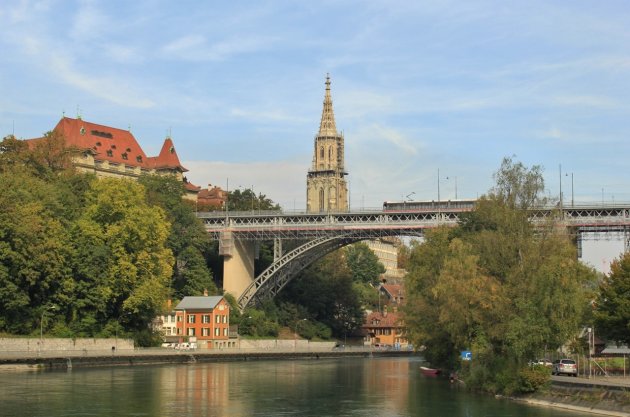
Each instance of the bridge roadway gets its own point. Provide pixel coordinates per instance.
(267, 225)
(321, 233)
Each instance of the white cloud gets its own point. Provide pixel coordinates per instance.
(198, 48)
(110, 89)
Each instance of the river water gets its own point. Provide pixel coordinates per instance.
(308, 387)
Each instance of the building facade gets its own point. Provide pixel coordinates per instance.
(111, 152)
(205, 321)
(326, 188)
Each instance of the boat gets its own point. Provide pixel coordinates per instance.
(429, 371)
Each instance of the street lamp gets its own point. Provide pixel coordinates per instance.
(41, 321)
(455, 178)
(295, 333)
(572, 195)
(119, 325)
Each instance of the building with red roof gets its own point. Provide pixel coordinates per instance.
(110, 152)
(385, 330)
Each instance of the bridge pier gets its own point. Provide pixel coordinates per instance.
(238, 266)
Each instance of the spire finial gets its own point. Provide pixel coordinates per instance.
(327, 126)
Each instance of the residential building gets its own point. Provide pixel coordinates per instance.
(204, 320)
(385, 329)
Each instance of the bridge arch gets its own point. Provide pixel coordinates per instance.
(272, 280)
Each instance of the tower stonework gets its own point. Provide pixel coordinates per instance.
(326, 188)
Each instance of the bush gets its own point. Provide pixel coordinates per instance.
(533, 378)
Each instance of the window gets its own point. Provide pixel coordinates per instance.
(205, 318)
(225, 318)
(124, 156)
(139, 158)
(191, 331)
(191, 318)
(179, 319)
(110, 153)
(205, 331)
(218, 318)
(321, 152)
(225, 331)
(217, 332)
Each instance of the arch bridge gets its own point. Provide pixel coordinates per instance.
(240, 233)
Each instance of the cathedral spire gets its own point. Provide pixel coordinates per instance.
(327, 126)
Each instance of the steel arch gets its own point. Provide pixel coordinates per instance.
(272, 280)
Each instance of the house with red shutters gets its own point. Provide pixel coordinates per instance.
(204, 321)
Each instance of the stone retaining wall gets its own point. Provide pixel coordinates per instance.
(61, 344)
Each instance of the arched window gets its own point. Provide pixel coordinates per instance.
(321, 152)
(321, 198)
(330, 158)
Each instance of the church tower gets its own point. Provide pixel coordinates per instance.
(326, 188)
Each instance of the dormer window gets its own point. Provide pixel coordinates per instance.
(110, 153)
(113, 146)
(128, 149)
(124, 156)
(172, 149)
(98, 143)
(139, 158)
(82, 130)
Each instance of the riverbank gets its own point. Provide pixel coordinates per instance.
(136, 357)
(598, 396)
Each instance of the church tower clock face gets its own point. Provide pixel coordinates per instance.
(326, 188)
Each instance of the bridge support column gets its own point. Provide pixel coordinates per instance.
(238, 268)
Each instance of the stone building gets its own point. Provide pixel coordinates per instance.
(326, 188)
(111, 152)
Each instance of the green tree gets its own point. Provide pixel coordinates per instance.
(326, 290)
(248, 200)
(497, 285)
(363, 263)
(612, 305)
(125, 266)
(188, 240)
(35, 251)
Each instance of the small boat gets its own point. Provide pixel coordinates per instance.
(429, 371)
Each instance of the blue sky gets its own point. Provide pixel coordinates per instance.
(417, 87)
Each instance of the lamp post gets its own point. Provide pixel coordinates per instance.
(455, 178)
(119, 325)
(295, 333)
(41, 321)
(572, 194)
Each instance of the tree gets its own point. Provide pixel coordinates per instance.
(326, 290)
(612, 305)
(497, 284)
(363, 263)
(35, 251)
(188, 240)
(247, 200)
(125, 266)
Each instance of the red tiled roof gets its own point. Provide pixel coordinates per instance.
(394, 290)
(167, 158)
(113, 145)
(390, 319)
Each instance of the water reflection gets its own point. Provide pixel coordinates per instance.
(344, 387)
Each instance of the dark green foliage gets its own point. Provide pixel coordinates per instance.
(364, 264)
(248, 200)
(612, 306)
(187, 239)
(498, 286)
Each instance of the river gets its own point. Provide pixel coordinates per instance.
(306, 387)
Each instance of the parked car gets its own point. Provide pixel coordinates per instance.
(564, 366)
(542, 362)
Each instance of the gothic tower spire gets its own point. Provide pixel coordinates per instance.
(327, 125)
(326, 188)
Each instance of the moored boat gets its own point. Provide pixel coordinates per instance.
(429, 371)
